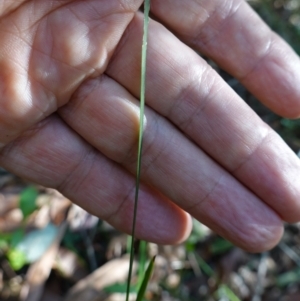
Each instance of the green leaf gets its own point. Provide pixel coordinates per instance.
(5, 237)
(204, 266)
(16, 237)
(3, 245)
(16, 258)
(225, 292)
(220, 246)
(148, 274)
(142, 261)
(288, 278)
(27, 201)
(118, 288)
(289, 124)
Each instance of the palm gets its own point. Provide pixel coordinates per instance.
(56, 46)
(69, 88)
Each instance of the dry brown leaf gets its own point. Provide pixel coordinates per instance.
(91, 287)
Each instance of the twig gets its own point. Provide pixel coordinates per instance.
(261, 275)
(290, 253)
(90, 251)
(194, 264)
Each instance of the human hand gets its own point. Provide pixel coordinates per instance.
(69, 114)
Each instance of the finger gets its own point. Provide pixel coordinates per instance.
(182, 87)
(232, 34)
(47, 49)
(54, 156)
(105, 115)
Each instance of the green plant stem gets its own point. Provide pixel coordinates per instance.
(142, 262)
(140, 143)
(146, 278)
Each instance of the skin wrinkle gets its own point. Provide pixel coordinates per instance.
(111, 52)
(7, 29)
(185, 80)
(254, 231)
(254, 236)
(21, 142)
(259, 61)
(86, 32)
(63, 177)
(58, 100)
(123, 41)
(42, 14)
(240, 147)
(281, 196)
(127, 198)
(200, 38)
(11, 6)
(79, 97)
(229, 224)
(160, 56)
(14, 62)
(149, 147)
(248, 64)
(95, 71)
(205, 199)
(77, 16)
(190, 129)
(162, 156)
(48, 93)
(59, 61)
(77, 187)
(275, 64)
(85, 158)
(103, 20)
(185, 125)
(251, 153)
(129, 157)
(127, 34)
(130, 153)
(45, 110)
(63, 50)
(125, 5)
(199, 43)
(80, 100)
(181, 100)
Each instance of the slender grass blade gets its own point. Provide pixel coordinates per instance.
(142, 262)
(146, 279)
(141, 130)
